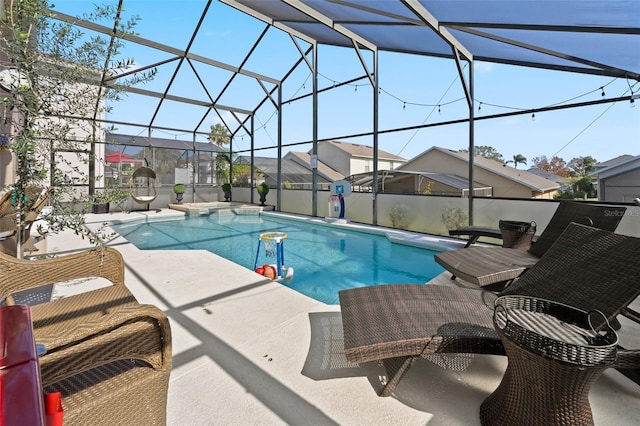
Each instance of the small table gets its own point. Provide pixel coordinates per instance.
(554, 357)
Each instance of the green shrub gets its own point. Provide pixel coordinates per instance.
(263, 189)
(454, 217)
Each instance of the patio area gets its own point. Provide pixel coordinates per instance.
(247, 350)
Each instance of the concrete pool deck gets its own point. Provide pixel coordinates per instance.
(249, 351)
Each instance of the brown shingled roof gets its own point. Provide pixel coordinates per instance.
(366, 151)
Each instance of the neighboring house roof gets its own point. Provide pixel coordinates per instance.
(292, 171)
(548, 175)
(454, 181)
(611, 162)
(618, 168)
(522, 177)
(304, 159)
(143, 141)
(364, 151)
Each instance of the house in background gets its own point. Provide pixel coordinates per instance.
(504, 180)
(604, 164)
(408, 182)
(296, 171)
(618, 179)
(350, 159)
(548, 175)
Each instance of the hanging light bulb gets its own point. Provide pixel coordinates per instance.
(356, 88)
(480, 106)
(404, 105)
(439, 109)
(533, 116)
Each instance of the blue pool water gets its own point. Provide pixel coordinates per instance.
(325, 259)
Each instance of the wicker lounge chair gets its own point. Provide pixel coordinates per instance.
(115, 371)
(21, 280)
(109, 356)
(586, 268)
(493, 267)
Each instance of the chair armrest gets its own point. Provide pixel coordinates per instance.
(18, 274)
(139, 332)
(628, 358)
(628, 363)
(475, 232)
(481, 231)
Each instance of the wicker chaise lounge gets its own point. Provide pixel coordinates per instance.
(109, 356)
(586, 268)
(492, 267)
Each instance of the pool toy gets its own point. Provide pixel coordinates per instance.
(273, 247)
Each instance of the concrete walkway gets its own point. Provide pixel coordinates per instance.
(248, 351)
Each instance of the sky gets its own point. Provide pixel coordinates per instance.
(413, 91)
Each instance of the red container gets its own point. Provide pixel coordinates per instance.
(21, 401)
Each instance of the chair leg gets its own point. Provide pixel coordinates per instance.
(396, 368)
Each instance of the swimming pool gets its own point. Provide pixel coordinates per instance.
(325, 259)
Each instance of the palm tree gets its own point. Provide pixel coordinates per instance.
(517, 159)
(220, 136)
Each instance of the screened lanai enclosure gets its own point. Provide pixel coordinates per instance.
(237, 80)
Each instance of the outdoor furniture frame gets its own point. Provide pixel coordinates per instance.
(113, 371)
(587, 268)
(493, 267)
(475, 232)
(22, 281)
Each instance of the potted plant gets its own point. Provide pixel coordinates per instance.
(263, 190)
(179, 189)
(226, 188)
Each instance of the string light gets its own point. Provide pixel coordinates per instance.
(533, 116)
(405, 102)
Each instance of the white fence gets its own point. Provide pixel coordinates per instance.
(420, 213)
(427, 213)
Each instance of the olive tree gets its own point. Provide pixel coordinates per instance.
(56, 85)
